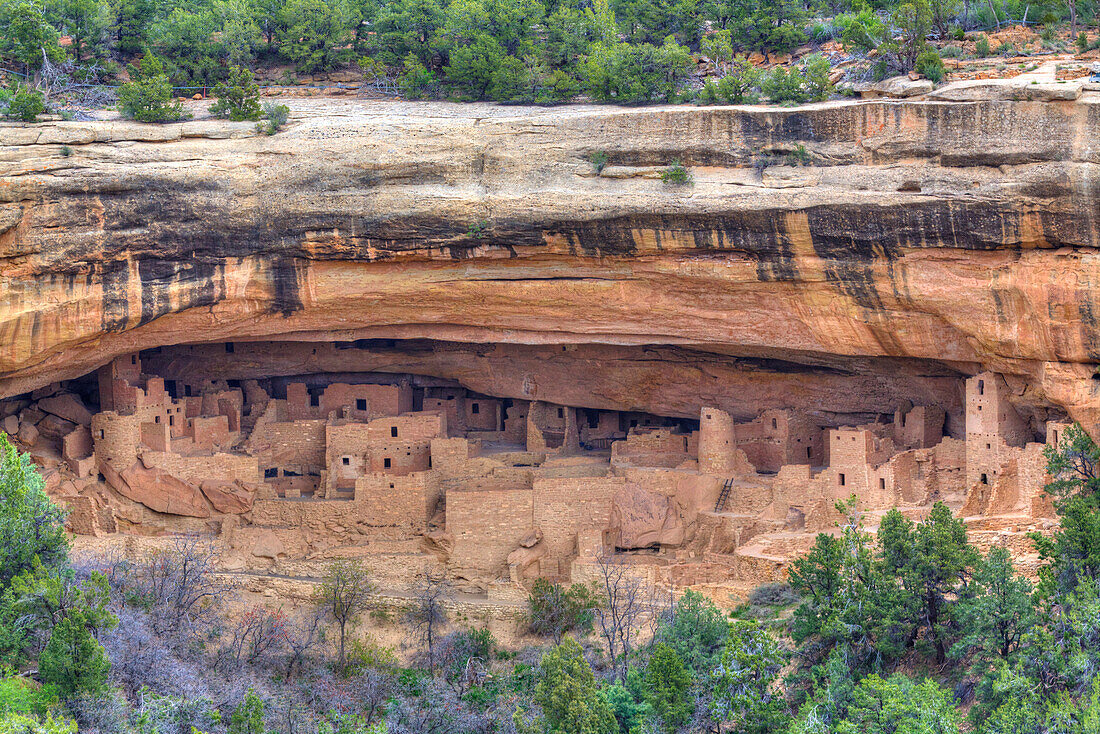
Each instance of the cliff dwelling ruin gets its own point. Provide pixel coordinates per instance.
(289, 455)
(303, 347)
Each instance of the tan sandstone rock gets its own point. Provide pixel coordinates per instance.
(160, 491)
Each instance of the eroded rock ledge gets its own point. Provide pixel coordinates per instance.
(925, 240)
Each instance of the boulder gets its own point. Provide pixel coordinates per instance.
(643, 518)
(28, 434)
(10, 425)
(522, 561)
(228, 497)
(68, 406)
(898, 86)
(161, 492)
(531, 539)
(53, 427)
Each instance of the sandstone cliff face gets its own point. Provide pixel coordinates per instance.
(926, 240)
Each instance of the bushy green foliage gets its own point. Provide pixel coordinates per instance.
(631, 74)
(19, 695)
(676, 174)
(238, 96)
(568, 694)
(315, 33)
(73, 660)
(696, 632)
(897, 705)
(21, 724)
(736, 87)
(551, 609)
(25, 104)
(1073, 554)
(147, 97)
(248, 717)
(29, 38)
(808, 82)
(930, 65)
(31, 531)
(981, 47)
(667, 687)
(275, 117)
(742, 686)
(863, 30)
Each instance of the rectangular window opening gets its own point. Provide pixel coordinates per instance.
(840, 478)
(386, 463)
(475, 408)
(393, 431)
(360, 404)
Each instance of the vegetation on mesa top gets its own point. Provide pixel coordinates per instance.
(544, 51)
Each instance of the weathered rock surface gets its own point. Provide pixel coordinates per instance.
(160, 491)
(643, 518)
(932, 239)
(228, 497)
(67, 406)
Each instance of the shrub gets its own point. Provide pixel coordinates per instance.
(676, 174)
(19, 724)
(740, 84)
(784, 85)
(551, 609)
(248, 717)
(774, 594)
(667, 683)
(31, 531)
(958, 33)
(26, 105)
(981, 47)
(1005, 49)
(863, 30)
(598, 159)
(73, 660)
(632, 74)
(1082, 42)
(416, 82)
(930, 65)
(275, 118)
(148, 96)
(815, 75)
(951, 52)
(238, 97)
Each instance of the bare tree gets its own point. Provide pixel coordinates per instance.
(181, 586)
(259, 634)
(344, 594)
(75, 86)
(624, 607)
(426, 615)
(302, 635)
(436, 711)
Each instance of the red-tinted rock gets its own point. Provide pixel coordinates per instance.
(160, 491)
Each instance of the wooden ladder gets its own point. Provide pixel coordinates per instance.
(723, 496)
